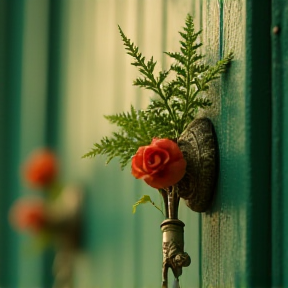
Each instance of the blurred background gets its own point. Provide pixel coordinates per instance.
(62, 67)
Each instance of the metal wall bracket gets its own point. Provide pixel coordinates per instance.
(199, 147)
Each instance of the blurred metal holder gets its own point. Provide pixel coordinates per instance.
(199, 147)
(64, 221)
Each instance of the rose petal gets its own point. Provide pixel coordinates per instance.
(172, 174)
(156, 161)
(137, 163)
(150, 164)
(170, 146)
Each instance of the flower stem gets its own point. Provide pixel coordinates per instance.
(157, 207)
(173, 203)
(164, 194)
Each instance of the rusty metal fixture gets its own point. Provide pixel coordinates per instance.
(199, 147)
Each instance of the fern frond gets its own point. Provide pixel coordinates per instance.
(139, 61)
(177, 100)
(214, 72)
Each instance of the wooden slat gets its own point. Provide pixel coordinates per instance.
(233, 252)
(11, 43)
(279, 32)
(33, 120)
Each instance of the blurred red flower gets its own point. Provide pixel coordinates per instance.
(28, 214)
(160, 164)
(41, 168)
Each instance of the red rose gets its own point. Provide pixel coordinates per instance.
(41, 168)
(28, 214)
(160, 165)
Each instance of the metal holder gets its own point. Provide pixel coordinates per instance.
(64, 222)
(199, 147)
(173, 253)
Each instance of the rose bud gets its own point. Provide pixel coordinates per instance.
(28, 214)
(41, 168)
(160, 164)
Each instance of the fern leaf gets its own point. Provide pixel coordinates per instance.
(177, 99)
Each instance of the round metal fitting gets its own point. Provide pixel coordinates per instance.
(199, 147)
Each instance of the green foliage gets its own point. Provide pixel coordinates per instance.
(145, 199)
(176, 101)
(138, 128)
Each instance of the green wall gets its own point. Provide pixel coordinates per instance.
(279, 201)
(11, 37)
(63, 66)
(236, 240)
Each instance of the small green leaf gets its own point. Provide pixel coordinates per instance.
(144, 199)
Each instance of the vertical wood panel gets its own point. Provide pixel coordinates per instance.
(279, 143)
(24, 96)
(221, 237)
(233, 252)
(211, 221)
(33, 120)
(10, 95)
(258, 93)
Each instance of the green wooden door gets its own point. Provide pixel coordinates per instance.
(53, 55)
(23, 97)
(236, 233)
(279, 143)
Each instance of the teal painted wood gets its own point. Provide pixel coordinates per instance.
(52, 105)
(54, 73)
(258, 91)
(236, 250)
(11, 24)
(279, 35)
(23, 119)
(33, 121)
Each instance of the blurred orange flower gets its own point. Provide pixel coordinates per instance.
(41, 168)
(28, 214)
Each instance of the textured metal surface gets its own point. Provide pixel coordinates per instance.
(198, 145)
(174, 256)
